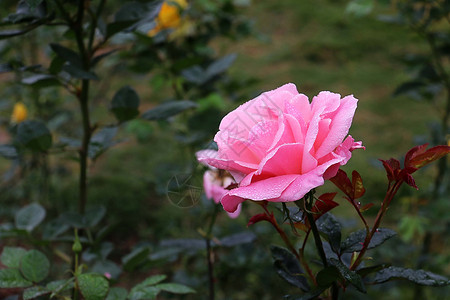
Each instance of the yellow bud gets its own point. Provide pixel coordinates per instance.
(19, 113)
(169, 16)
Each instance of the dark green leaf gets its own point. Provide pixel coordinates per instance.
(349, 275)
(125, 104)
(417, 276)
(54, 228)
(67, 55)
(131, 14)
(288, 267)
(175, 288)
(136, 257)
(220, 65)
(329, 225)
(238, 239)
(94, 215)
(101, 141)
(149, 292)
(93, 286)
(8, 151)
(79, 73)
(367, 270)
(58, 286)
(107, 266)
(98, 58)
(33, 135)
(33, 3)
(195, 74)
(356, 239)
(306, 296)
(34, 266)
(327, 276)
(11, 256)
(168, 109)
(117, 293)
(152, 280)
(4, 34)
(41, 80)
(34, 292)
(11, 278)
(29, 217)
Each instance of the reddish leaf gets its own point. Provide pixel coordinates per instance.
(324, 204)
(392, 167)
(366, 207)
(258, 218)
(432, 154)
(358, 187)
(413, 152)
(410, 180)
(342, 181)
(301, 226)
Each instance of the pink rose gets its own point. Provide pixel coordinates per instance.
(215, 185)
(279, 146)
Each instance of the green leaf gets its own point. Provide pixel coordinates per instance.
(238, 239)
(11, 278)
(33, 135)
(329, 225)
(34, 292)
(288, 267)
(54, 228)
(93, 286)
(101, 141)
(29, 217)
(151, 281)
(149, 292)
(125, 104)
(41, 80)
(356, 239)
(67, 55)
(168, 109)
(349, 275)
(107, 266)
(327, 276)
(11, 256)
(8, 152)
(175, 288)
(131, 14)
(35, 266)
(59, 286)
(220, 65)
(94, 215)
(367, 270)
(33, 3)
(417, 276)
(117, 293)
(307, 296)
(77, 72)
(136, 257)
(212, 101)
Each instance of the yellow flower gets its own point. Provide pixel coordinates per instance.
(169, 16)
(19, 113)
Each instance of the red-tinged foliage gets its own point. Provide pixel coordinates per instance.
(324, 204)
(366, 207)
(392, 167)
(258, 218)
(357, 184)
(343, 183)
(420, 158)
(410, 180)
(413, 152)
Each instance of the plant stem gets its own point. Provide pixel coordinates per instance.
(392, 190)
(209, 252)
(308, 202)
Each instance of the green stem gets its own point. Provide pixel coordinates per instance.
(308, 202)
